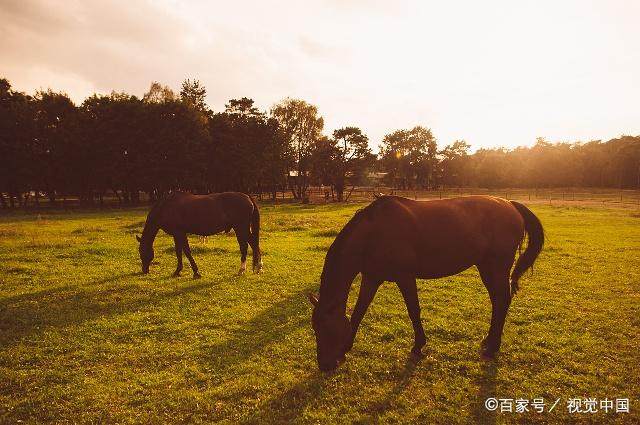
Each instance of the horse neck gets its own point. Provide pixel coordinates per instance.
(337, 278)
(150, 231)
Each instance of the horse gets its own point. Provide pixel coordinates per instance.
(399, 240)
(184, 213)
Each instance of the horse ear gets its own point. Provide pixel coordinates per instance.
(313, 299)
(138, 238)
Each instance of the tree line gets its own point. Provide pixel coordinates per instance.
(121, 145)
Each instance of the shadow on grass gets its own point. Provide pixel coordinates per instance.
(34, 313)
(40, 295)
(287, 406)
(269, 326)
(486, 382)
(379, 407)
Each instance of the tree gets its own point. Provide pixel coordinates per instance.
(113, 152)
(454, 163)
(243, 107)
(161, 143)
(194, 94)
(409, 156)
(247, 150)
(353, 155)
(175, 137)
(56, 125)
(159, 94)
(302, 127)
(17, 135)
(323, 161)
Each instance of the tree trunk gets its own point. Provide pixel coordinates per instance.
(340, 192)
(25, 199)
(339, 185)
(349, 194)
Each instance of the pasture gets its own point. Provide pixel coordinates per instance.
(84, 337)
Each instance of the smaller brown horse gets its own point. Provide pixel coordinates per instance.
(184, 213)
(398, 239)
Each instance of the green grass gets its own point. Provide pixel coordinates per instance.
(85, 338)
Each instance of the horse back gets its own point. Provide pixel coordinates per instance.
(439, 238)
(205, 214)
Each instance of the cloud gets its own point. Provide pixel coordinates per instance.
(498, 75)
(114, 45)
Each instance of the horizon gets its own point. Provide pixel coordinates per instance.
(499, 75)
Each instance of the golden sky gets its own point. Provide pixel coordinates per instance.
(493, 73)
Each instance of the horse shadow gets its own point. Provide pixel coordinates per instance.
(288, 406)
(33, 313)
(291, 403)
(486, 382)
(404, 378)
(269, 326)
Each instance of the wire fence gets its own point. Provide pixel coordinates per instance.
(576, 196)
(605, 197)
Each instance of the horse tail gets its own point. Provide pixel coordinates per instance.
(255, 232)
(535, 234)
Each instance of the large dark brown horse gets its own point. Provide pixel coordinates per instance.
(183, 213)
(398, 239)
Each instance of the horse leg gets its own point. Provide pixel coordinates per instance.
(242, 235)
(178, 241)
(255, 250)
(368, 289)
(409, 291)
(187, 252)
(496, 279)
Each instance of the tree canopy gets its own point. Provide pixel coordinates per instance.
(124, 145)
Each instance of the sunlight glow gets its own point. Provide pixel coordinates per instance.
(492, 73)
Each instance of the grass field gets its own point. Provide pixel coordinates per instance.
(85, 338)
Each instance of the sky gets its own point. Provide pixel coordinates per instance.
(494, 73)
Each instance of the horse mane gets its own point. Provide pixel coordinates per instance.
(338, 244)
(149, 223)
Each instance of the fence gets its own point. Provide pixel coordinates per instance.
(319, 195)
(593, 196)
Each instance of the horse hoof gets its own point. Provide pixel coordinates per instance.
(197, 275)
(176, 274)
(240, 272)
(416, 356)
(488, 355)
